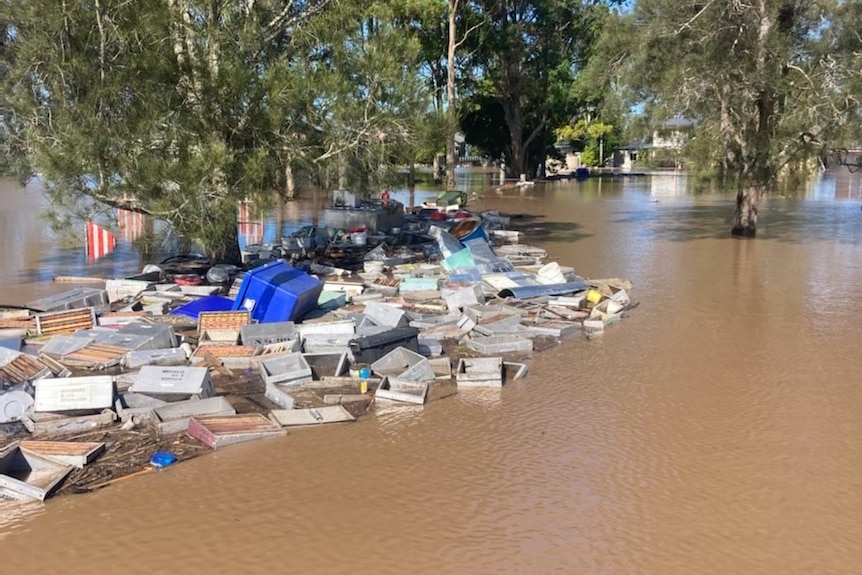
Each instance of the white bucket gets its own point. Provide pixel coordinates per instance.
(551, 274)
(359, 238)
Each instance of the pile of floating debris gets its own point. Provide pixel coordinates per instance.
(115, 382)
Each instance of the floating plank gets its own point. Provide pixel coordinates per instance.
(310, 416)
(74, 453)
(341, 398)
(78, 279)
(221, 430)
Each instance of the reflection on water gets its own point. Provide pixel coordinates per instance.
(715, 429)
(14, 514)
(490, 397)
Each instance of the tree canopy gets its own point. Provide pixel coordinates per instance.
(181, 108)
(768, 84)
(527, 56)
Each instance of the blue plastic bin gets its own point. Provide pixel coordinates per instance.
(277, 292)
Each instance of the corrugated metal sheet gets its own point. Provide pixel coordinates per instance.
(523, 292)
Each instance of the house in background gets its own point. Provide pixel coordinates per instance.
(625, 157)
(664, 146)
(570, 162)
(667, 141)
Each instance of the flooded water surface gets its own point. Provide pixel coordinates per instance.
(716, 429)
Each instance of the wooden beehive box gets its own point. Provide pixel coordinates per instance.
(220, 430)
(222, 326)
(67, 321)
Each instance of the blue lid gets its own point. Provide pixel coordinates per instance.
(162, 459)
(206, 303)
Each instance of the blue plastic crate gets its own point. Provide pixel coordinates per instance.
(277, 292)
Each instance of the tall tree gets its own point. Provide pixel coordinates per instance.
(366, 94)
(526, 52)
(162, 108)
(768, 81)
(461, 23)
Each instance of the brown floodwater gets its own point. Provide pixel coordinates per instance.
(716, 429)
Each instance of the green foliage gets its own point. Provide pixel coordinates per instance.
(596, 140)
(366, 99)
(768, 84)
(181, 109)
(528, 55)
(165, 110)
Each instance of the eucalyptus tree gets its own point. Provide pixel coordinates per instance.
(462, 20)
(444, 28)
(771, 83)
(158, 106)
(368, 100)
(526, 55)
(425, 20)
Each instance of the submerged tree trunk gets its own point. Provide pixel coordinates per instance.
(745, 217)
(289, 183)
(411, 176)
(512, 113)
(342, 171)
